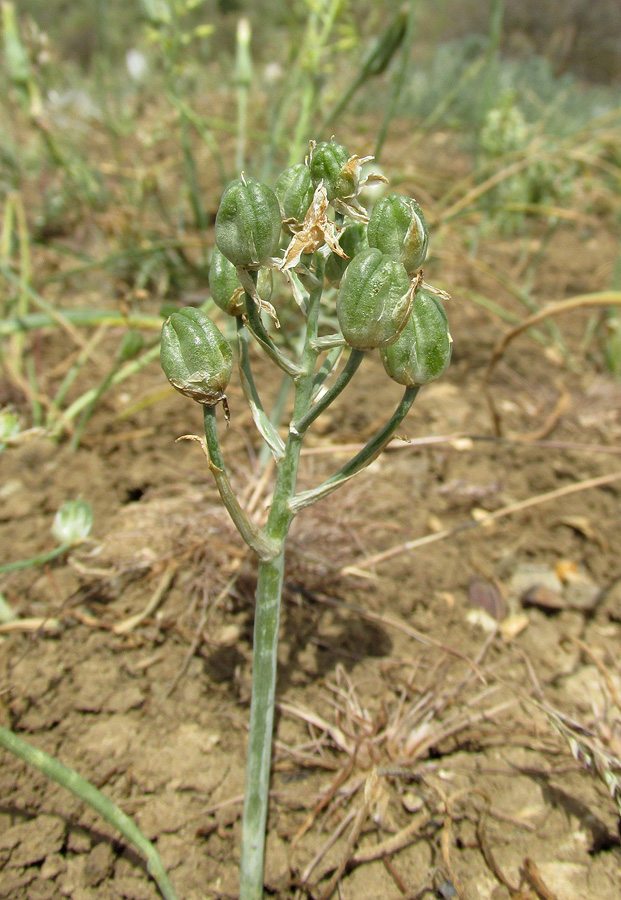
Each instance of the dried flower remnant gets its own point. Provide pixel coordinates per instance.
(317, 229)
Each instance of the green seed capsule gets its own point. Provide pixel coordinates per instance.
(422, 352)
(374, 300)
(224, 285)
(397, 227)
(248, 223)
(294, 189)
(195, 356)
(327, 161)
(352, 239)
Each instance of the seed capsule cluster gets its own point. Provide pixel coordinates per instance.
(373, 262)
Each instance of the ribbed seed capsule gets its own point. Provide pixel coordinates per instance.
(327, 161)
(248, 223)
(352, 240)
(195, 356)
(397, 227)
(294, 189)
(374, 300)
(224, 285)
(422, 352)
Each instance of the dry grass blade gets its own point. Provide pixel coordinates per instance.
(509, 510)
(395, 843)
(359, 820)
(30, 626)
(400, 625)
(532, 876)
(605, 298)
(497, 178)
(329, 843)
(132, 622)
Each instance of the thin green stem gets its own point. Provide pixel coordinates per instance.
(306, 108)
(343, 102)
(257, 328)
(191, 178)
(276, 414)
(265, 548)
(35, 403)
(90, 409)
(39, 560)
(78, 317)
(273, 442)
(87, 792)
(73, 372)
(361, 460)
(122, 374)
(242, 125)
(350, 369)
(326, 368)
(399, 79)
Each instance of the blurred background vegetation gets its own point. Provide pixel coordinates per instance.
(575, 36)
(122, 122)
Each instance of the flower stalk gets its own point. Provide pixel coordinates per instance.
(377, 291)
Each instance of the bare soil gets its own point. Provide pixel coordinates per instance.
(446, 717)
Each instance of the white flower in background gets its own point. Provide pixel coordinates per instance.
(136, 63)
(272, 73)
(73, 522)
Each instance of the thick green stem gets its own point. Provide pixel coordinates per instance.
(267, 617)
(87, 792)
(266, 622)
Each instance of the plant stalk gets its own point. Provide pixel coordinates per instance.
(39, 560)
(267, 618)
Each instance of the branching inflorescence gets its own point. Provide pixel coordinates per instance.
(313, 231)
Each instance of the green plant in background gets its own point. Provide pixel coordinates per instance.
(84, 790)
(131, 345)
(541, 185)
(381, 303)
(72, 524)
(24, 69)
(172, 27)
(10, 427)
